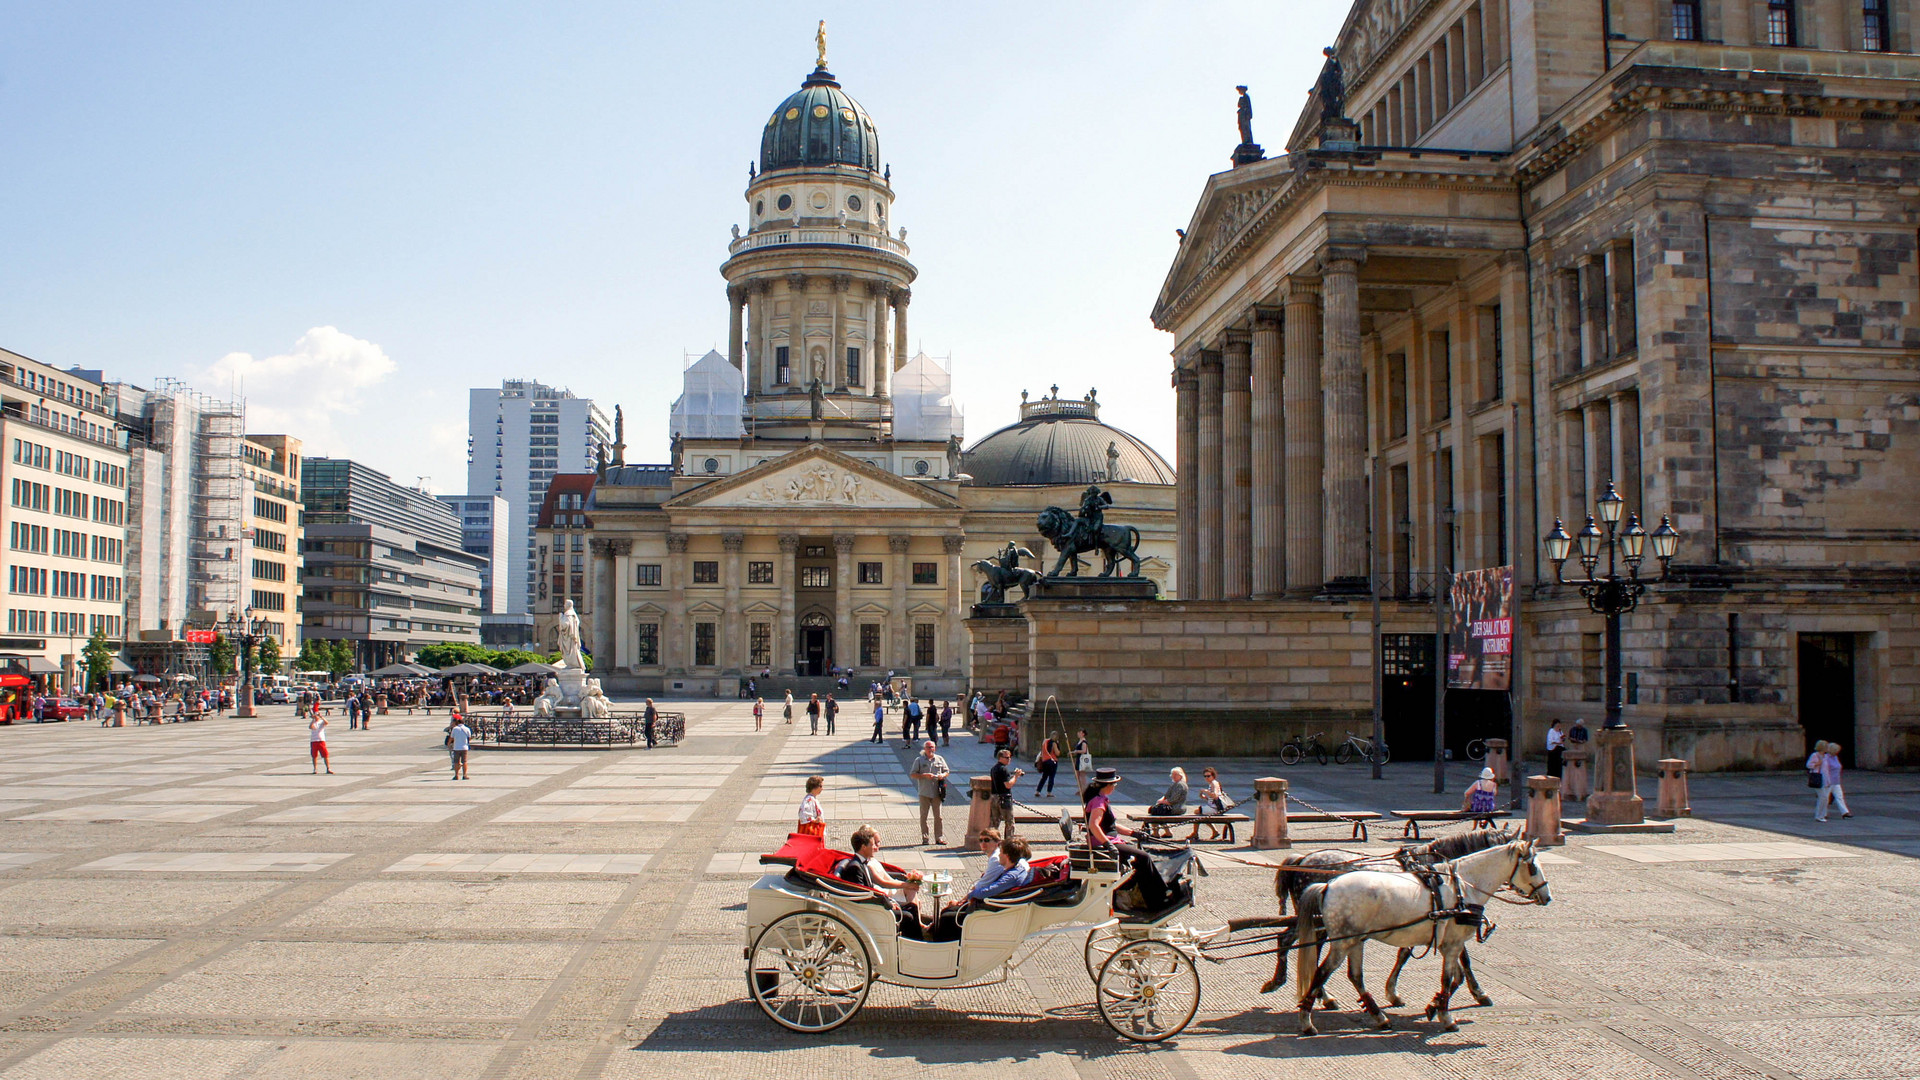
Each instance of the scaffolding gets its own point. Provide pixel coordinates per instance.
(205, 437)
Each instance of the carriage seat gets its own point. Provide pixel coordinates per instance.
(1053, 885)
(817, 866)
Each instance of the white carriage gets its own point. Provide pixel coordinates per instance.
(816, 944)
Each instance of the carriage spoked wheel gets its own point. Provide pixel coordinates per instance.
(809, 972)
(1148, 991)
(1102, 942)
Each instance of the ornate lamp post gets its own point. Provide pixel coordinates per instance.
(1611, 594)
(248, 630)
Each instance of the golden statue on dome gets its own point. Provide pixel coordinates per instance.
(820, 46)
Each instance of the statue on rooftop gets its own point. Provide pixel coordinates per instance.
(1245, 114)
(1073, 537)
(1332, 87)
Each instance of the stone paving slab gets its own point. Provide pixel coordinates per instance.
(1666, 853)
(155, 813)
(219, 862)
(551, 862)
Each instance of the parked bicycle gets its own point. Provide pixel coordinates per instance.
(1295, 749)
(1477, 750)
(1364, 749)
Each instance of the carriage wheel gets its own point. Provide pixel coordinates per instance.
(809, 972)
(1148, 991)
(1102, 942)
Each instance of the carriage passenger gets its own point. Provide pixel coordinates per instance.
(865, 868)
(1103, 832)
(1008, 868)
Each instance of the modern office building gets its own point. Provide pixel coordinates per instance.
(484, 531)
(64, 517)
(385, 568)
(272, 536)
(518, 437)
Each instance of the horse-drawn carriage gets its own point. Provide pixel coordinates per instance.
(816, 943)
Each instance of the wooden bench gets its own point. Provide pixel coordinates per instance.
(1356, 818)
(1161, 825)
(1413, 818)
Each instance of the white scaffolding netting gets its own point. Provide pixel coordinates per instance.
(710, 400)
(923, 405)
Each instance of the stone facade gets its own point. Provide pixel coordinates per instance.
(1677, 251)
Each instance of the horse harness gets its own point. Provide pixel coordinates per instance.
(1438, 879)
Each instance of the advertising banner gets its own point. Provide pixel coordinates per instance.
(201, 637)
(1480, 641)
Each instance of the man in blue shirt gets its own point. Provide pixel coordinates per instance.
(1009, 870)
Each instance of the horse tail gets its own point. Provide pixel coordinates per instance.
(1308, 911)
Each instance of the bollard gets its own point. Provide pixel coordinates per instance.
(1497, 761)
(979, 806)
(1673, 789)
(1543, 810)
(1270, 813)
(1574, 764)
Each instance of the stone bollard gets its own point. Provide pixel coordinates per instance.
(1270, 813)
(1543, 810)
(979, 807)
(1579, 784)
(1497, 761)
(1673, 789)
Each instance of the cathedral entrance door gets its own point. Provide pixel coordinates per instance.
(816, 644)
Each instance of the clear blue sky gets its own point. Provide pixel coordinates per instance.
(367, 208)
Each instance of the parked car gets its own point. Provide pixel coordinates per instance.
(65, 709)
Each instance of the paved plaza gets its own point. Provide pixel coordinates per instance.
(190, 901)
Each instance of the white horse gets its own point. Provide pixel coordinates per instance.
(1397, 909)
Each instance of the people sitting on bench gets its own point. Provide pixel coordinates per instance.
(1103, 831)
(1482, 794)
(864, 868)
(1174, 802)
(1009, 869)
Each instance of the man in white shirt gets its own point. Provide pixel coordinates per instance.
(1556, 748)
(459, 736)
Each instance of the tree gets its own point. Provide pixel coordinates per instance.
(98, 656)
(340, 658)
(314, 654)
(220, 654)
(446, 654)
(269, 657)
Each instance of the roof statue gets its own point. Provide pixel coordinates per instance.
(619, 436)
(1332, 87)
(1245, 115)
(820, 46)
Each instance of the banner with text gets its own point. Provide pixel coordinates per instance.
(1480, 641)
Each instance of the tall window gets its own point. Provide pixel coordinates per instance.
(870, 574)
(760, 644)
(853, 366)
(703, 644)
(923, 644)
(1780, 24)
(647, 640)
(1686, 20)
(759, 573)
(926, 573)
(816, 577)
(869, 645)
(1873, 26)
(782, 365)
(706, 572)
(646, 574)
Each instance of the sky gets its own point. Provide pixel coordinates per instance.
(350, 213)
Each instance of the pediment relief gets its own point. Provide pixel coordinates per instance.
(704, 607)
(762, 608)
(814, 478)
(647, 609)
(925, 609)
(879, 610)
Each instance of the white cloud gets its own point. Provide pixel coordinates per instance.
(304, 392)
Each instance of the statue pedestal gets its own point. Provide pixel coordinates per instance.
(1096, 588)
(996, 611)
(1615, 804)
(1339, 133)
(1247, 153)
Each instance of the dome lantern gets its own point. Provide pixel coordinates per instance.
(819, 125)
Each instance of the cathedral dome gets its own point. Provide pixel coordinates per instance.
(819, 125)
(1062, 442)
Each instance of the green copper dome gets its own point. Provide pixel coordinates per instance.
(819, 125)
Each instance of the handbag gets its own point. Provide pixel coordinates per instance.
(812, 828)
(940, 789)
(1083, 763)
(1813, 778)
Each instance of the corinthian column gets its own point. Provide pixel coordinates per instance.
(1186, 386)
(736, 331)
(783, 659)
(732, 659)
(1209, 485)
(956, 606)
(1236, 467)
(843, 599)
(1268, 459)
(902, 658)
(600, 602)
(674, 649)
(1346, 411)
(901, 349)
(882, 348)
(1300, 394)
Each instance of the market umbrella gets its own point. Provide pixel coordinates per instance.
(146, 678)
(469, 669)
(395, 671)
(533, 667)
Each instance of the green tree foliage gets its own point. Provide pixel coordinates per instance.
(339, 658)
(268, 659)
(98, 657)
(220, 654)
(448, 654)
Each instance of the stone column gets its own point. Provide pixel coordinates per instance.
(901, 655)
(1186, 386)
(731, 647)
(1346, 411)
(622, 618)
(1267, 449)
(760, 349)
(600, 613)
(843, 643)
(902, 348)
(783, 633)
(956, 606)
(837, 339)
(1624, 410)
(799, 374)
(1598, 431)
(1300, 392)
(1208, 486)
(1236, 467)
(882, 350)
(736, 331)
(673, 650)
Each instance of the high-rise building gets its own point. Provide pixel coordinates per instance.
(273, 536)
(385, 567)
(484, 531)
(518, 437)
(64, 517)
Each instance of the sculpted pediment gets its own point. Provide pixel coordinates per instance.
(814, 479)
(1230, 203)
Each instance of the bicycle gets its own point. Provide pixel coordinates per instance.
(1477, 750)
(1364, 749)
(1294, 749)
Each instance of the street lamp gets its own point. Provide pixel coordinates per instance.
(249, 631)
(1611, 594)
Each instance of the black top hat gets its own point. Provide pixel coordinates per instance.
(1106, 776)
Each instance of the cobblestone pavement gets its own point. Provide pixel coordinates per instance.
(191, 901)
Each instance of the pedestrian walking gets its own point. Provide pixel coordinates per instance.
(813, 714)
(910, 719)
(813, 821)
(1082, 760)
(929, 772)
(459, 736)
(787, 712)
(879, 721)
(1048, 762)
(1556, 749)
(317, 744)
(1830, 793)
(648, 721)
(759, 713)
(1003, 777)
(946, 724)
(832, 710)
